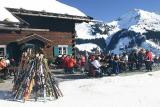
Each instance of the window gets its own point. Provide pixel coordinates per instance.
(2, 51)
(62, 49)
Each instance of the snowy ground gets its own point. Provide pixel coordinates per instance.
(126, 90)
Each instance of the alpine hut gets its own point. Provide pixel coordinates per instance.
(46, 24)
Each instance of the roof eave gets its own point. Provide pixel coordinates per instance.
(48, 14)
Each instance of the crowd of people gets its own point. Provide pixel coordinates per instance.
(99, 64)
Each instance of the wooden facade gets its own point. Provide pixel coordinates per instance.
(53, 32)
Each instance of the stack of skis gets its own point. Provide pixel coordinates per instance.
(33, 80)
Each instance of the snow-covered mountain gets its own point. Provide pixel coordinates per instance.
(137, 28)
(138, 21)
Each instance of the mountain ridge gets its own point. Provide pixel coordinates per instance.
(138, 20)
(136, 28)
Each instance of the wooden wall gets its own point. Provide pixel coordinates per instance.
(57, 38)
(61, 31)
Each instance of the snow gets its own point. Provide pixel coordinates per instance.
(52, 6)
(114, 26)
(42, 5)
(6, 15)
(121, 91)
(87, 46)
(155, 49)
(148, 44)
(121, 45)
(126, 90)
(151, 46)
(84, 31)
(138, 20)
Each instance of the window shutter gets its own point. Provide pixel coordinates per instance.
(7, 53)
(56, 51)
(69, 50)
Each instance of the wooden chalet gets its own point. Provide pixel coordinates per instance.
(53, 32)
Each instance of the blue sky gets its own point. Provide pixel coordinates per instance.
(107, 10)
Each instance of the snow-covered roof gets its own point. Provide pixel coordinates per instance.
(6, 15)
(52, 6)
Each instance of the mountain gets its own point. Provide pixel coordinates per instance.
(135, 29)
(138, 21)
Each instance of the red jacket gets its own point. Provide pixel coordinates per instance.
(71, 63)
(149, 56)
